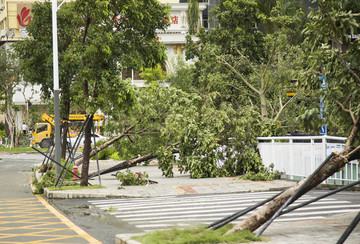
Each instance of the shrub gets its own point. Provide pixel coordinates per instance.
(129, 178)
(105, 153)
(265, 174)
(49, 179)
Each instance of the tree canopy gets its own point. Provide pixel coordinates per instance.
(98, 39)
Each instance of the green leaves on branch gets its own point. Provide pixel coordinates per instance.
(129, 178)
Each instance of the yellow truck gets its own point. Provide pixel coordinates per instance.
(43, 132)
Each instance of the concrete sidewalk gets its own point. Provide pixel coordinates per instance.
(180, 184)
(315, 231)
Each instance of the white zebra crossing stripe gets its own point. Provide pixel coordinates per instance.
(175, 211)
(238, 205)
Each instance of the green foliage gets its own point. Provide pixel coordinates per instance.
(48, 180)
(166, 159)
(97, 41)
(153, 76)
(125, 149)
(310, 120)
(332, 54)
(2, 134)
(271, 127)
(8, 75)
(193, 16)
(129, 178)
(115, 156)
(196, 235)
(242, 64)
(264, 174)
(2, 126)
(105, 153)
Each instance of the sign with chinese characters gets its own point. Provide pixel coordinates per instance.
(23, 33)
(23, 15)
(175, 20)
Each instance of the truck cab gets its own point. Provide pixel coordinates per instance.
(42, 135)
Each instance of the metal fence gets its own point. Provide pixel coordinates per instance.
(299, 156)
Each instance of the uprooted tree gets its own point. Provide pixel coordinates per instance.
(333, 53)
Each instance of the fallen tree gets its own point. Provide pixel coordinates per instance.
(324, 27)
(263, 214)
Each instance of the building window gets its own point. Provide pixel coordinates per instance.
(128, 73)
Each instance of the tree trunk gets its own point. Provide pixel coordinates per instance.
(124, 164)
(17, 138)
(64, 128)
(263, 214)
(86, 154)
(263, 109)
(105, 145)
(65, 117)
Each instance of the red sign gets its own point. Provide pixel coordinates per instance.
(24, 17)
(174, 20)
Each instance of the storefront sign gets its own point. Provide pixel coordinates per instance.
(23, 15)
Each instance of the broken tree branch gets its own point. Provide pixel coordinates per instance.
(106, 144)
(124, 164)
(348, 110)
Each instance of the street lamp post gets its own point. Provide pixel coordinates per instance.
(56, 87)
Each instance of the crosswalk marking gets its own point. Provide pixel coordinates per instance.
(183, 211)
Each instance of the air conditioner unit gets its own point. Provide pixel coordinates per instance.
(2, 7)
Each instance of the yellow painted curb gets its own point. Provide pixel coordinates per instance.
(66, 221)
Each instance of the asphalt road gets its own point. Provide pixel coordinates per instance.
(26, 218)
(98, 223)
(14, 175)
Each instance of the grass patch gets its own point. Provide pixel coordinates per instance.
(196, 235)
(20, 149)
(77, 187)
(111, 209)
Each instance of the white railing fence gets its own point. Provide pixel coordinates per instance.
(299, 156)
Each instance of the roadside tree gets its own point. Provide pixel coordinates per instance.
(101, 38)
(333, 53)
(8, 80)
(245, 66)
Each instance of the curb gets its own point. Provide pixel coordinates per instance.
(66, 195)
(125, 239)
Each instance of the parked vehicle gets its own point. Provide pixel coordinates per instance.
(43, 132)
